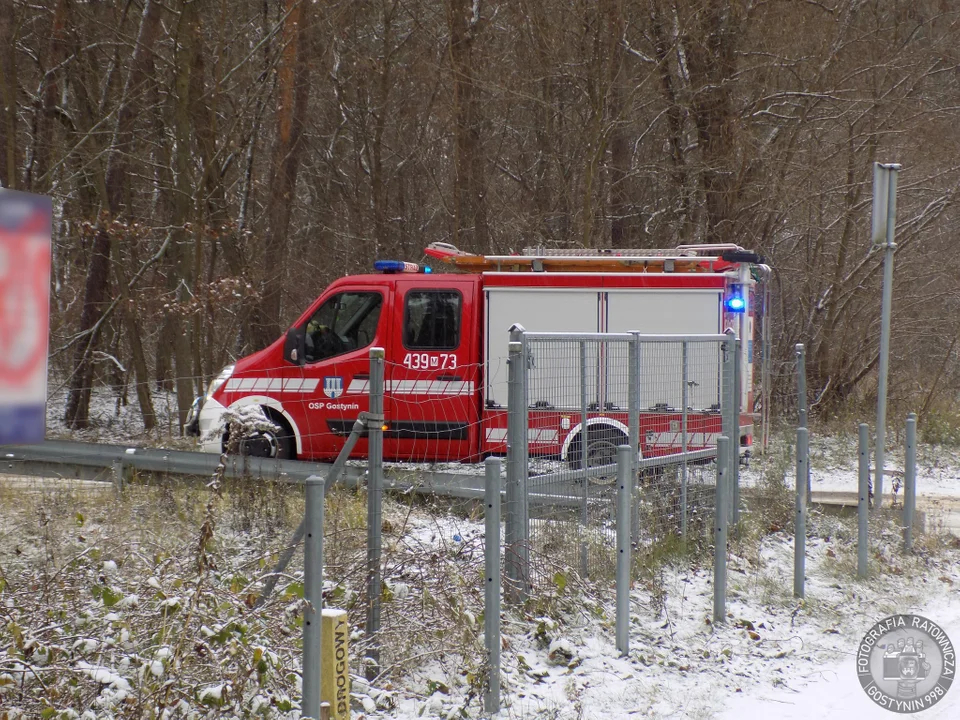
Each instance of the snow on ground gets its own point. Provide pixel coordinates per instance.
(775, 655)
(834, 465)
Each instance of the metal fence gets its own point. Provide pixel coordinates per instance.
(583, 395)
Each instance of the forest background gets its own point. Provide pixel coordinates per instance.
(215, 163)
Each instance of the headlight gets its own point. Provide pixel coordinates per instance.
(219, 380)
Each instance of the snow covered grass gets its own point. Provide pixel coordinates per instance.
(141, 606)
(115, 418)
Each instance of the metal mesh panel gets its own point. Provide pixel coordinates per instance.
(588, 394)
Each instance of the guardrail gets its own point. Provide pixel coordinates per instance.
(66, 458)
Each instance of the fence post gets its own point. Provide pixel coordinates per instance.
(118, 475)
(720, 533)
(520, 333)
(910, 483)
(728, 409)
(800, 525)
(626, 470)
(313, 595)
(516, 431)
(802, 402)
(884, 220)
(863, 503)
(684, 392)
(491, 607)
(735, 439)
(375, 421)
(634, 357)
(584, 437)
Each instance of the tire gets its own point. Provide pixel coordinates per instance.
(602, 444)
(280, 445)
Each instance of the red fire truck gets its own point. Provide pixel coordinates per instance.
(445, 337)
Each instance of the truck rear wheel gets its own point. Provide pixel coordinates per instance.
(602, 444)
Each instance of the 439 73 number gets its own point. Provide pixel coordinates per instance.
(430, 361)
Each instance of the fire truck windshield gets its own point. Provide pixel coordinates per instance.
(347, 321)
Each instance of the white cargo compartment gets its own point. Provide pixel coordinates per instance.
(669, 312)
(537, 310)
(554, 379)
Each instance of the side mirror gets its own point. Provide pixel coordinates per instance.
(295, 346)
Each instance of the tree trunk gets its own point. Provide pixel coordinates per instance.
(131, 327)
(293, 89)
(620, 145)
(469, 201)
(182, 203)
(46, 109)
(710, 48)
(664, 48)
(98, 273)
(8, 96)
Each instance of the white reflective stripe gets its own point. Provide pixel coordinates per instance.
(674, 439)
(535, 435)
(429, 387)
(541, 435)
(358, 387)
(496, 434)
(275, 385)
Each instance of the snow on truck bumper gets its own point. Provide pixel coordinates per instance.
(204, 422)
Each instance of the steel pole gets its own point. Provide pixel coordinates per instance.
(885, 310)
(728, 406)
(684, 392)
(720, 533)
(863, 502)
(634, 356)
(910, 483)
(625, 472)
(802, 403)
(584, 436)
(313, 595)
(375, 422)
(735, 439)
(800, 524)
(491, 608)
(515, 433)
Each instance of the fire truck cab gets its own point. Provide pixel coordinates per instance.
(445, 337)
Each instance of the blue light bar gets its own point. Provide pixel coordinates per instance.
(395, 266)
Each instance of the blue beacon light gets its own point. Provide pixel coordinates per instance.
(735, 302)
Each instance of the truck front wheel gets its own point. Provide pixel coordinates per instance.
(276, 443)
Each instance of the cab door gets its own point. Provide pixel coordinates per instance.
(338, 336)
(433, 373)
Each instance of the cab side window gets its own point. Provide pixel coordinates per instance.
(347, 321)
(431, 320)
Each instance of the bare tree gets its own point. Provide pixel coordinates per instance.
(95, 291)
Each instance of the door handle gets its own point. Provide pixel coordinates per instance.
(450, 378)
(362, 376)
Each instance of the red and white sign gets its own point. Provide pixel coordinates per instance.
(25, 235)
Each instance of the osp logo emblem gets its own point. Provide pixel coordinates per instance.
(333, 387)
